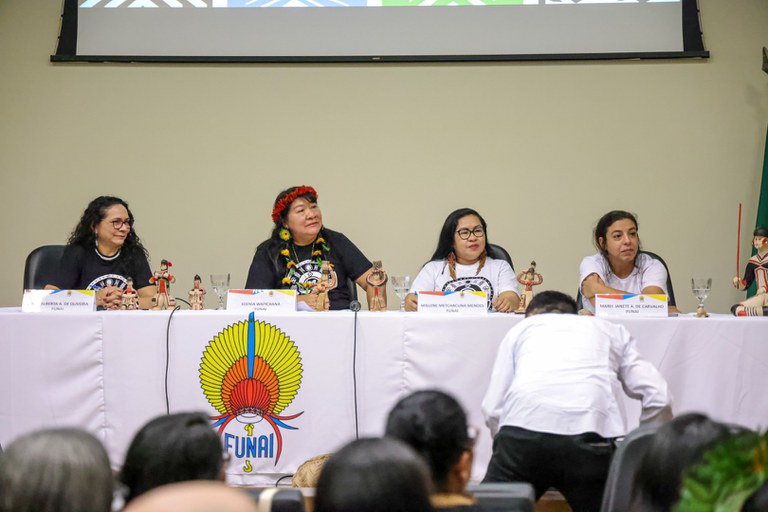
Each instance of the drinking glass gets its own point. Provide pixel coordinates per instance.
(701, 286)
(220, 284)
(401, 284)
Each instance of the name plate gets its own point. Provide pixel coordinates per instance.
(462, 303)
(266, 301)
(35, 301)
(637, 305)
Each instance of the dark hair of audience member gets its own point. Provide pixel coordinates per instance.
(374, 475)
(435, 426)
(55, 470)
(757, 501)
(676, 447)
(551, 301)
(174, 448)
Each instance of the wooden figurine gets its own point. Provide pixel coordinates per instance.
(757, 265)
(528, 279)
(197, 296)
(326, 283)
(162, 280)
(377, 288)
(130, 298)
(756, 272)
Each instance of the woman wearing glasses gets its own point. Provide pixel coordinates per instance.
(103, 251)
(460, 262)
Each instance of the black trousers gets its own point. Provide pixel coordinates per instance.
(577, 466)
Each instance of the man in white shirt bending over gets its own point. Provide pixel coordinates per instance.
(554, 403)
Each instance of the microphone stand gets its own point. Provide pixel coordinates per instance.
(355, 307)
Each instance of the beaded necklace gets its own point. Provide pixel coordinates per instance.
(290, 263)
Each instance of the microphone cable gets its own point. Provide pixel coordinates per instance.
(355, 307)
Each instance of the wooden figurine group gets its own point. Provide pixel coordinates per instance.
(756, 272)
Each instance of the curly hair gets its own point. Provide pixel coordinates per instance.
(95, 212)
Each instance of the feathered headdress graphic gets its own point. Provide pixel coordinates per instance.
(251, 371)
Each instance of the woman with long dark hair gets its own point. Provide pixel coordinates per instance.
(461, 262)
(103, 252)
(619, 266)
(292, 256)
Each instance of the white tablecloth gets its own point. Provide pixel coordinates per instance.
(106, 372)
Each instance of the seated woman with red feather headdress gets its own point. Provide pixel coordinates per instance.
(292, 256)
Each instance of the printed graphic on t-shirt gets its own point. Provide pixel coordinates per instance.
(305, 277)
(474, 283)
(108, 280)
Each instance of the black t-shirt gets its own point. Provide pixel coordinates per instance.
(268, 270)
(83, 269)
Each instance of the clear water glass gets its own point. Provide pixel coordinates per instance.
(220, 285)
(401, 285)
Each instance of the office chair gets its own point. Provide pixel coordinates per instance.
(276, 499)
(507, 496)
(621, 475)
(42, 266)
(497, 252)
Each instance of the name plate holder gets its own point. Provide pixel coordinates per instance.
(466, 302)
(36, 301)
(636, 305)
(263, 301)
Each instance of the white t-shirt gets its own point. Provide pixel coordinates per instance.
(648, 272)
(495, 277)
(566, 374)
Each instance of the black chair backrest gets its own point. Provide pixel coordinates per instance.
(278, 499)
(497, 252)
(670, 291)
(42, 266)
(507, 496)
(621, 475)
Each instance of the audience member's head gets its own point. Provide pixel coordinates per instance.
(307, 474)
(374, 475)
(194, 497)
(435, 426)
(758, 501)
(676, 446)
(56, 470)
(551, 301)
(173, 448)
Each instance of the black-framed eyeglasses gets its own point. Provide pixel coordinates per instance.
(464, 233)
(118, 223)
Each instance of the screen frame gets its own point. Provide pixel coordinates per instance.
(693, 48)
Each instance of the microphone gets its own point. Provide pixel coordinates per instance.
(355, 306)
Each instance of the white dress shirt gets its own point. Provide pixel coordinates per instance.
(564, 374)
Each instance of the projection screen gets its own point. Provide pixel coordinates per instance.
(376, 30)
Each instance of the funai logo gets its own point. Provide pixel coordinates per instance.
(251, 372)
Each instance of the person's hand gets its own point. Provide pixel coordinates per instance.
(589, 287)
(109, 297)
(411, 302)
(506, 302)
(311, 300)
(737, 282)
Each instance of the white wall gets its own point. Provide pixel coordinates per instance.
(540, 149)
